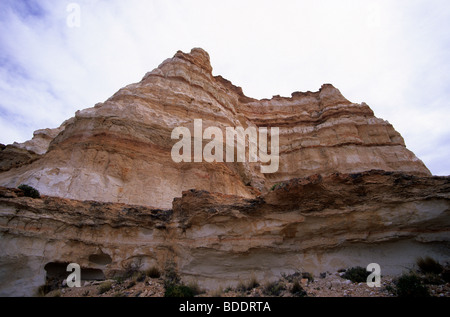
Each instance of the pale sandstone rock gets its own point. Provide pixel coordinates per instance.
(119, 150)
(41, 139)
(221, 222)
(312, 224)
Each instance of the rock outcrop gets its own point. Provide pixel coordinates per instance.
(312, 224)
(119, 151)
(12, 157)
(347, 192)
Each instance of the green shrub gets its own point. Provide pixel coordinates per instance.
(29, 191)
(195, 288)
(297, 290)
(104, 287)
(429, 265)
(410, 285)
(356, 274)
(274, 288)
(179, 290)
(173, 285)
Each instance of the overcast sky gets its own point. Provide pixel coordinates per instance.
(393, 55)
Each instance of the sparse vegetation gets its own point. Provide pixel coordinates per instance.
(179, 290)
(410, 285)
(253, 283)
(297, 290)
(356, 274)
(131, 269)
(170, 275)
(29, 191)
(247, 286)
(139, 276)
(275, 186)
(153, 272)
(274, 288)
(173, 285)
(104, 287)
(218, 292)
(195, 287)
(291, 278)
(429, 265)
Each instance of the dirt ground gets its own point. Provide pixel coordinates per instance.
(326, 285)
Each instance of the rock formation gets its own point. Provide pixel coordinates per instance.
(347, 191)
(119, 151)
(313, 224)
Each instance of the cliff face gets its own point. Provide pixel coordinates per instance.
(314, 224)
(119, 151)
(347, 191)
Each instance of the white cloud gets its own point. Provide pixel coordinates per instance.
(392, 54)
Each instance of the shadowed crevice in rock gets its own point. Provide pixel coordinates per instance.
(58, 270)
(101, 259)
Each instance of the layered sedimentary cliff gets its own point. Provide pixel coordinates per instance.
(314, 224)
(119, 151)
(347, 192)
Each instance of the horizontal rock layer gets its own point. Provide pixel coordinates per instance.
(119, 150)
(314, 224)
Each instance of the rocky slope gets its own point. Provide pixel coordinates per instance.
(313, 224)
(119, 151)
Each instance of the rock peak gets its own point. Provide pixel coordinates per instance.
(198, 57)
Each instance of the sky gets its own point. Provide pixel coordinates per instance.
(57, 57)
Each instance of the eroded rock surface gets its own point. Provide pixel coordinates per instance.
(347, 192)
(119, 150)
(315, 224)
